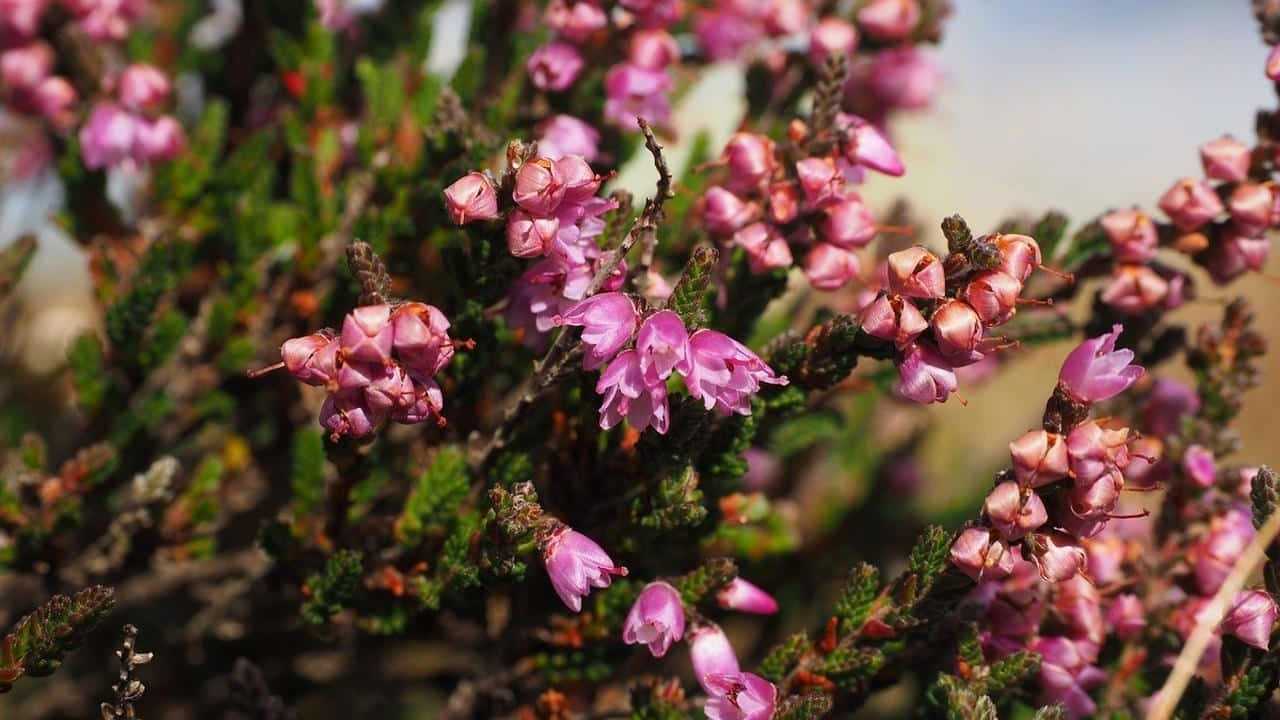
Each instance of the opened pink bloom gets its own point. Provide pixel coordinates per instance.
(740, 696)
(656, 619)
(1096, 371)
(607, 320)
(725, 373)
(575, 564)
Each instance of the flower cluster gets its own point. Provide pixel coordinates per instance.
(718, 370)
(380, 367)
(106, 20)
(28, 84)
(134, 128)
(771, 207)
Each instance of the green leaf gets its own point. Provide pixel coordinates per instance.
(38, 642)
(1012, 671)
(88, 372)
(784, 656)
(714, 574)
(436, 496)
(689, 297)
(859, 596)
(334, 589)
(307, 475)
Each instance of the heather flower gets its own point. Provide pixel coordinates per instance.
(426, 402)
(341, 14)
(903, 77)
(993, 295)
(1252, 207)
(311, 359)
(1092, 501)
(740, 696)
(1251, 618)
(654, 13)
(711, 653)
(924, 376)
(608, 321)
(723, 33)
(1012, 514)
(1019, 255)
(725, 212)
(980, 555)
(1057, 555)
(787, 17)
(1126, 617)
(1106, 553)
(1094, 450)
(1225, 159)
(1273, 64)
(656, 619)
(346, 416)
(1096, 371)
(1235, 253)
(539, 187)
(1067, 674)
(634, 92)
(750, 159)
(1132, 234)
(159, 139)
(575, 564)
(889, 19)
(1199, 466)
(575, 20)
(554, 66)
(766, 249)
(820, 180)
(743, 596)
(529, 236)
(653, 49)
(784, 202)
(471, 197)
(421, 337)
(663, 346)
(763, 469)
(1145, 469)
(831, 36)
(628, 395)
(106, 19)
(107, 138)
(1166, 405)
(23, 68)
(829, 267)
(848, 223)
(20, 19)
(1214, 555)
(725, 373)
(891, 317)
(1190, 204)
(367, 334)
(957, 329)
(1039, 458)
(1078, 604)
(916, 273)
(391, 389)
(1135, 289)
(567, 135)
(143, 87)
(866, 146)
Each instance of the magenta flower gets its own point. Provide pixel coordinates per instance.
(831, 36)
(740, 696)
(529, 236)
(1078, 604)
(981, 555)
(750, 159)
(903, 77)
(471, 197)
(889, 19)
(849, 223)
(1058, 556)
(106, 19)
(391, 390)
(608, 321)
(1126, 617)
(628, 395)
(829, 267)
(916, 273)
(866, 146)
(1199, 465)
(346, 415)
(107, 138)
(765, 247)
(711, 653)
(724, 212)
(821, 181)
(1190, 203)
(1067, 674)
(924, 376)
(554, 66)
(575, 20)
(1039, 458)
(1251, 618)
(723, 33)
(993, 295)
(20, 19)
(426, 402)
(1012, 514)
(23, 68)
(312, 359)
(1135, 289)
(725, 373)
(143, 87)
(567, 135)
(1096, 371)
(653, 49)
(158, 139)
(634, 92)
(663, 346)
(421, 337)
(957, 330)
(575, 564)
(1225, 159)
(1214, 555)
(656, 619)
(367, 334)
(892, 317)
(1132, 234)
(743, 596)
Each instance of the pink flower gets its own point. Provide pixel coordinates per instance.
(656, 619)
(829, 267)
(1078, 604)
(1094, 450)
(787, 17)
(784, 202)
(421, 337)
(891, 317)
(20, 19)
(725, 373)
(1096, 371)
(634, 92)
(23, 68)
(957, 330)
(106, 19)
(663, 346)
(848, 223)
(1214, 555)
(107, 138)
(1058, 556)
(1169, 401)
(979, 554)
(916, 273)
(1012, 514)
(711, 653)
(345, 415)
(567, 135)
(1132, 234)
(1126, 617)
(1093, 501)
(724, 212)
(1198, 464)
(471, 197)
(766, 249)
(723, 33)
(750, 159)
(539, 187)
(740, 696)
(1067, 674)
(1190, 204)
(1135, 289)
(1252, 207)
(312, 359)
(821, 181)
(367, 334)
(993, 295)
(653, 49)
(889, 19)
(831, 36)
(575, 564)
(427, 401)
(1019, 255)
(745, 597)
(392, 389)
(1273, 64)
(158, 139)
(924, 376)
(575, 20)
(608, 321)
(904, 78)
(554, 66)
(1235, 253)
(143, 87)
(654, 13)
(529, 236)
(1251, 618)
(866, 146)
(1225, 159)
(1039, 458)
(628, 395)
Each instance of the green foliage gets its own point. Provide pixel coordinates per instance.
(334, 589)
(858, 597)
(1254, 685)
(810, 706)
(38, 642)
(851, 667)
(929, 555)
(696, 585)
(306, 477)
(129, 318)
(88, 372)
(784, 656)
(675, 502)
(1049, 231)
(13, 263)
(802, 432)
(1012, 671)
(163, 338)
(689, 297)
(749, 294)
(435, 498)
(1089, 242)
(955, 699)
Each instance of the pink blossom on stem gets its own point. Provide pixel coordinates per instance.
(427, 402)
(143, 87)
(829, 267)
(1251, 618)
(1199, 465)
(724, 212)
(608, 321)
(1132, 234)
(1039, 458)
(1067, 674)
(554, 66)
(470, 198)
(421, 337)
(539, 187)
(567, 135)
(628, 395)
(1012, 513)
(981, 555)
(889, 19)
(311, 359)
(821, 181)
(367, 334)
(158, 139)
(832, 36)
(1214, 555)
(892, 317)
(20, 19)
(723, 34)
(924, 376)
(1078, 604)
(1235, 253)
(1190, 203)
(866, 146)
(740, 696)
(653, 49)
(848, 223)
(725, 373)
(1058, 556)
(916, 273)
(106, 19)
(1019, 255)
(766, 249)
(529, 236)
(903, 77)
(23, 68)
(711, 653)
(1126, 617)
(654, 13)
(993, 295)
(1096, 371)
(107, 138)
(634, 92)
(575, 564)
(663, 346)
(656, 619)
(957, 330)
(345, 415)
(1225, 159)
(1094, 450)
(1252, 207)
(1135, 289)
(743, 596)
(750, 159)
(575, 20)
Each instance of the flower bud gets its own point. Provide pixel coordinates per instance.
(1096, 500)
(1039, 458)
(1251, 618)
(924, 376)
(158, 139)
(1216, 553)
(820, 180)
(1078, 604)
(392, 389)
(1057, 555)
(656, 619)
(1126, 616)
(829, 267)
(575, 20)
(529, 237)
(346, 416)
(1135, 289)
(1094, 450)
(143, 87)
(107, 138)
(554, 66)
(725, 212)
(1225, 159)
(892, 317)
(745, 597)
(22, 68)
(367, 334)
(653, 49)
(55, 99)
(711, 653)
(1273, 64)
(848, 223)
(750, 159)
(916, 273)
(957, 329)
(1145, 470)
(1132, 234)
(889, 19)
(471, 197)
(766, 248)
(421, 337)
(993, 295)
(866, 146)
(831, 36)
(539, 187)
(980, 555)
(426, 402)
(1190, 204)
(1012, 514)
(1019, 255)
(784, 203)
(1252, 207)
(1199, 466)
(311, 358)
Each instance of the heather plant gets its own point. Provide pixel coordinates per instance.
(400, 405)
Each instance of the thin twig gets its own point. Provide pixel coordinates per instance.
(1166, 700)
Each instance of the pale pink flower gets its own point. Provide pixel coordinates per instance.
(628, 395)
(740, 696)
(663, 346)
(608, 320)
(470, 198)
(575, 564)
(830, 267)
(924, 376)
(555, 66)
(1096, 371)
(656, 619)
(743, 596)
(725, 374)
